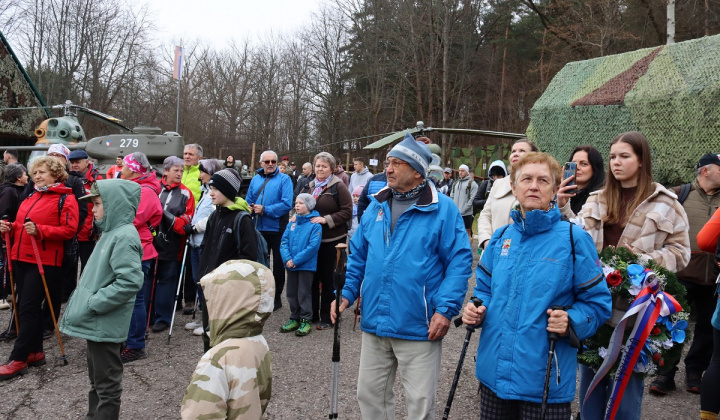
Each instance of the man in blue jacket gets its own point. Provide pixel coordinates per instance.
(411, 258)
(529, 270)
(270, 197)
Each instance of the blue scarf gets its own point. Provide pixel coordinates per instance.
(319, 186)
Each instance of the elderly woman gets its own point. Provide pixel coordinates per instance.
(49, 215)
(528, 268)
(178, 206)
(196, 230)
(334, 203)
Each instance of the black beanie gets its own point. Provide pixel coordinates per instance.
(226, 182)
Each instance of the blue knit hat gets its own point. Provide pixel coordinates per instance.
(416, 153)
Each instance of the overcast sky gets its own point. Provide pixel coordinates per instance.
(218, 21)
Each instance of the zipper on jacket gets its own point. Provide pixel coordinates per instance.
(427, 321)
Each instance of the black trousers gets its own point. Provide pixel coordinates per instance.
(105, 371)
(323, 289)
(273, 240)
(31, 294)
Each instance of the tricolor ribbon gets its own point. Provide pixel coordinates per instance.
(649, 304)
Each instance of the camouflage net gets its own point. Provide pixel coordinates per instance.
(671, 94)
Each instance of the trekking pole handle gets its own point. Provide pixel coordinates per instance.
(553, 336)
(478, 303)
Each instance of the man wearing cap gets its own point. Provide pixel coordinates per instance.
(700, 199)
(411, 258)
(462, 193)
(137, 168)
(191, 172)
(86, 172)
(447, 181)
(270, 197)
(115, 171)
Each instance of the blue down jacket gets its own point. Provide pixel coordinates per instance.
(526, 269)
(407, 276)
(301, 242)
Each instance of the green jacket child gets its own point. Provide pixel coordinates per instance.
(100, 308)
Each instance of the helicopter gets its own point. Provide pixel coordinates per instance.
(435, 171)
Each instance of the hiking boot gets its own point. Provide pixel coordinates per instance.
(662, 385)
(324, 326)
(36, 359)
(12, 369)
(131, 355)
(692, 382)
(189, 308)
(160, 327)
(199, 331)
(8, 334)
(4, 304)
(192, 325)
(304, 328)
(290, 325)
(48, 334)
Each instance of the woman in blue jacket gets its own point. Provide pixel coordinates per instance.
(528, 267)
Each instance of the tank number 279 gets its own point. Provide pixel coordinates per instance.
(128, 142)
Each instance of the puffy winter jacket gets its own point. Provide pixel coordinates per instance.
(149, 213)
(101, 306)
(10, 200)
(53, 228)
(301, 242)
(527, 268)
(276, 199)
(407, 276)
(376, 183)
(191, 180)
(496, 212)
(199, 220)
(462, 193)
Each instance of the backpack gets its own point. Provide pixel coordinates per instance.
(682, 192)
(263, 255)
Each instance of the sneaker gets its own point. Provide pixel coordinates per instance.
(192, 325)
(160, 327)
(36, 359)
(199, 331)
(12, 369)
(324, 326)
(47, 334)
(4, 304)
(662, 385)
(692, 382)
(131, 355)
(289, 326)
(304, 328)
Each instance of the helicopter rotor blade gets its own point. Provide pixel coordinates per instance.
(392, 138)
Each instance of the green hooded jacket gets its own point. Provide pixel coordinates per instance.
(191, 179)
(101, 306)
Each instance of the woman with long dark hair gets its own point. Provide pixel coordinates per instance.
(590, 176)
(633, 212)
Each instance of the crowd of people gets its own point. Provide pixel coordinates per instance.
(137, 235)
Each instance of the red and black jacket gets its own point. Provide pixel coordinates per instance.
(54, 225)
(86, 231)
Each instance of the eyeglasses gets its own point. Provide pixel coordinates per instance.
(267, 162)
(396, 163)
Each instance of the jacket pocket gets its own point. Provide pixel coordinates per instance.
(77, 313)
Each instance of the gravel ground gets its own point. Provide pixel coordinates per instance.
(153, 388)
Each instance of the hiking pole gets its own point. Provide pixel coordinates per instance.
(339, 283)
(197, 301)
(177, 292)
(470, 329)
(12, 280)
(553, 337)
(152, 296)
(47, 292)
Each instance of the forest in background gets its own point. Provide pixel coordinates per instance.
(360, 69)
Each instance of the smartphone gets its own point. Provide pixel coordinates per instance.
(570, 169)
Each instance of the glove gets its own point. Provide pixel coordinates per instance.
(189, 229)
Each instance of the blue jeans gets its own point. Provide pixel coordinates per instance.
(194, 264)
(138, 321)
(631, 406)
(168, 274)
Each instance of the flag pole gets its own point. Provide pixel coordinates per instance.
(177, 74)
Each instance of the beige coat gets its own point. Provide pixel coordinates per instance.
(496, 212)
(657, 229)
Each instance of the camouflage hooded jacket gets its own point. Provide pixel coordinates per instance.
(233, 379)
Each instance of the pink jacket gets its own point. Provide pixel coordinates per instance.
(149, 213)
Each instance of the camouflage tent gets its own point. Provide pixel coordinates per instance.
(16, 91)
(669, 93)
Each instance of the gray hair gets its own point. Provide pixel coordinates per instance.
(14, 171)
(327, 157)
(171, 161)
(308, 164)
(212, 165)
(142, 159)
(197, 148)
(268, 151)
(699, 170)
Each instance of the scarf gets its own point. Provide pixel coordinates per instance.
(45, 188)
(319, 186)
(412, 193)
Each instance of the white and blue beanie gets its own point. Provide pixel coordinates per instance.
(415, 153)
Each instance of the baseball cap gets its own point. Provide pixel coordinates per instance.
(447, 170)
(708, 159)
(94, 192)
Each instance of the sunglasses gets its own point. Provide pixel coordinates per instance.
(267, 162)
